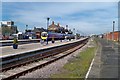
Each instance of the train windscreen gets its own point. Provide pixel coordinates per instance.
(44, 34)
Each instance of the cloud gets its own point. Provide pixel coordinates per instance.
(84, 16)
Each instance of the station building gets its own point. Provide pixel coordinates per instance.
(56, 28)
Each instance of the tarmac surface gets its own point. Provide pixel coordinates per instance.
(106, 61)
(8, 50)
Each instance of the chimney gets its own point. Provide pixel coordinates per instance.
(52, 22)
(58, 25)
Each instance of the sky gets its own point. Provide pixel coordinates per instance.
(85, 17)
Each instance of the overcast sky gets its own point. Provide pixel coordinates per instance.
(85, 17)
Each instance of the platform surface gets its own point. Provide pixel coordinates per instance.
(8, 50)
(106, 62)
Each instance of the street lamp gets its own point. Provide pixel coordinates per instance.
(74, 31)
(66, 27)
(26, 27)
(113, 30)
(47, 27)
(48, 22)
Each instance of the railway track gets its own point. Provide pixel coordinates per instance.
(22, 66)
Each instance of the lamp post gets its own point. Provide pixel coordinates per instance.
(48, 23)
(107, 36)
(74, 31)
(47, 27)
(113, 30)
(66, 27)
(26, 27)
(113, 34)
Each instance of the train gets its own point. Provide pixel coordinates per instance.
(56, 36)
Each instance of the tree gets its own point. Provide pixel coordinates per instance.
(6, 30)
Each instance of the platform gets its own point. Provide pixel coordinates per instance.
(106, 62)
(18, 40)
(8, 50)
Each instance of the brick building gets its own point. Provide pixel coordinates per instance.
(56, 28)
(36, 32)
(109, 36)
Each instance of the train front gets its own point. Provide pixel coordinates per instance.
(44, 35)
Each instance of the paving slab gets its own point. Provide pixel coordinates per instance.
(106, 62)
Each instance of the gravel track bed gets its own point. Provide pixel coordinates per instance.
(53, 68)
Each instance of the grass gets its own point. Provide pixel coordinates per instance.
(78, 66)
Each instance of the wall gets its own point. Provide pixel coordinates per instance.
(109, 36)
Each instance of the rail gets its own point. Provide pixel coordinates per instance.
(39, 55)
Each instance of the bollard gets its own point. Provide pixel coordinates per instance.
(53, 40)
(47, 41)
(61, 40)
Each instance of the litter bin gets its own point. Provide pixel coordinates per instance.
(15, 43)
(15, 46)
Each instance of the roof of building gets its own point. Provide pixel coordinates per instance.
(39, 29)
(54, 27)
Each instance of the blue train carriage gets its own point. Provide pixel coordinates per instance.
(56, 36)
(69, 36)
(52, 35)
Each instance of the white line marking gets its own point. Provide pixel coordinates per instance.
(89, 69)
(91, 65)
